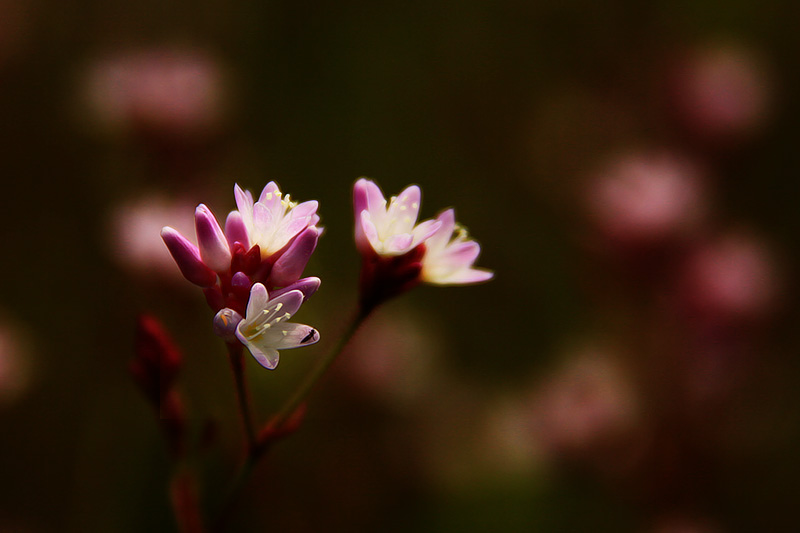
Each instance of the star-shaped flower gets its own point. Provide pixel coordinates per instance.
(274, 220)
(265, 329)
(449, 258)
(389, 230)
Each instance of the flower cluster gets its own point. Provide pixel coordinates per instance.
(398, 253)
(253, 269)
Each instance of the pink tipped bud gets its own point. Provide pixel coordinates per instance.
(307, 286)
(187, 257)
(214, 248)
(235, 230)
(289, 267)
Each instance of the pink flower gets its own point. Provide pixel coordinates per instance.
(389, 229)
(450, 254)
(273, 220)
(730, 278)
(268, 242)
(159, 90)
(646, 198)
(722, 91)
(265, 329)
(398, 252)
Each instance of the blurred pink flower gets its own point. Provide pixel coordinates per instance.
(721, 91)
(14, 23)
(585, 405)
(393, 360)
(170, 91)
(646, 198)
(134, 235)
(16, 363)
(685, 524)
(732, 277)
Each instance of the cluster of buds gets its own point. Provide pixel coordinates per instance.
(155, 369)
(251, 272)
(397, 253)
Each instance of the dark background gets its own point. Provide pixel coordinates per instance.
(597, 384)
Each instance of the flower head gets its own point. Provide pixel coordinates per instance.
(397, 253)
(274, 220)
(450, 254)
(389, 229)
(265, 329)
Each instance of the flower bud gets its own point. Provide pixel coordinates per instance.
(225, 323)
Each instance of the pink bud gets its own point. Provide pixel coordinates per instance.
(187, 257)
(211, 240)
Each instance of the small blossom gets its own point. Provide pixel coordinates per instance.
(643, 199)
(450, 254)
(265, 329)
(274, 220)
(397, 253)
(389, 230)
(268, 242)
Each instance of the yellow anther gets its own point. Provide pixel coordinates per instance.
(278, 307)
(415, 205)
(268, 196)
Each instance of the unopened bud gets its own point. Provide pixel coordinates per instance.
(225, 323)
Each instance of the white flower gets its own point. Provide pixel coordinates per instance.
(274, 219)
(392, 229)
(448, 259)
(265, 329)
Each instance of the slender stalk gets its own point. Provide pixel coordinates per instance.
(185, 505)
(257, 449)
(232, 497)
(237, 365)
(303, 390)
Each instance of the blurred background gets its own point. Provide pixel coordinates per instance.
(630, 169)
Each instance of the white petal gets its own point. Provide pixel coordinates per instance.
(399, 244)
(463, 277)
(271, 197)
(370, 231)
(442, 236)
(425, 229)
(306, 209)
(267, 357)
(405, 208)
(244, 202)
(280, 308)
(257, 302)
(290, 335)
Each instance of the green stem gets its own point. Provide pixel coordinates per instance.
(303, 390)
(257, 449)
(237, 365)
(233, 493)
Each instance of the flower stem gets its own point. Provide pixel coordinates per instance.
(237, 365)
(256, 448)
(303, 390)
